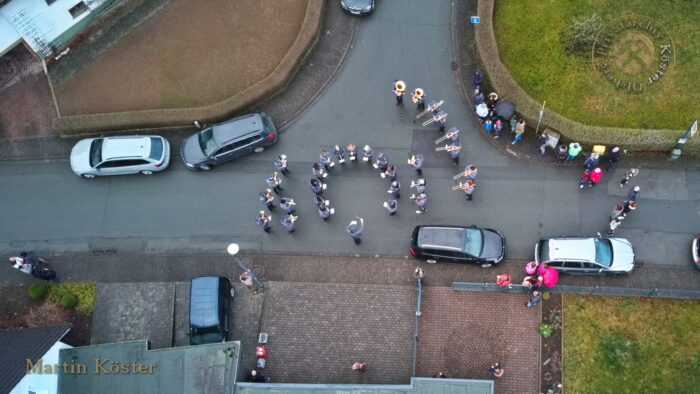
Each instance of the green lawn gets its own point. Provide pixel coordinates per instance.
(630, 345)
(528, 35)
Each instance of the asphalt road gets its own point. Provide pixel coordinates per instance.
(46, 207)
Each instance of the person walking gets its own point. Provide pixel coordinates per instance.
(288, 205)
(359, 366)
(399, 88)
(574, 150)
(614, 224)
(273, 182)
(339, 153)
(281, 164)
(591, 161)
(367, 153)
(477, 79)
(561, 153)
(418, 98)
(318, 172)
(420, 185)
(256, 377)
(263, 221)
(267, 199)
(382, 163)
(617, 211)
(317, 186)
(355, 229)
(519, 131)
(325, 160)
(488, 125)
(497, 128)
(289, 222)
(319, 201)
(534, 299)
(542, 142)
(585, 178)
(471, 172)
(247, 280)
(629, 207)
(633, 194)
(395, 189)
(324, 212)
(390, 173)
(631, 173)
(421, 199)
(391, 206)
(441, 119)
(352, 152)
(453, 150)
(416, 161)
(613, 156)
(596, 175)
(469, 186)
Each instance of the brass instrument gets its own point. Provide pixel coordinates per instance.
(431, 108)
(399, 88)
(293, 218)
(446, 136)
(275, 178)
(417, 96)
(448, 148)
(465, 173)
(464, 186)
(412, 160)
(435, 118)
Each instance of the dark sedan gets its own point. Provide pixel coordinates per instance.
(357, 7)
(458, 244)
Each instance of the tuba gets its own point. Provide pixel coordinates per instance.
(399, 88)
(417, 96)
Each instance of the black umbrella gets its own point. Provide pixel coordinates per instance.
(505, 109)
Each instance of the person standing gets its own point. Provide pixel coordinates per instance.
(471, 172)
(325, 160)
(617, 211)
(273, 181)
(256, 377)
(453, 150)
(613, 156)
(289, 222)
(631, 173)
(267, 199)
(418, 98)
(439, 375)
(352, 152)
(633, 194)
(561, 153)
(399, 88)
(542, 142)
(288, 205)
(395, 189)
(477, 79)
(339, 153)
(318, 172)
(596, 175)
(317, 186)
(416, 161)
(247, 280)
(591, 161)
(614, 224)
(574, 150)
(382, 163)
(281, 164)
(359, 366)
(355, 229)
(367, 154)
(421, 199)
(469, 186)
(391, 173)
(519, 131)
(263, 221)
(497, 127)
(488, 125)
(391, 206)
(629, 207)
(585, 178)
(534, 299)
(324, 212)
(441, 119)
(420, 185)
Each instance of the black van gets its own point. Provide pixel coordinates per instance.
(210, 300)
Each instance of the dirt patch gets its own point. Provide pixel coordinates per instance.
(186, 56)
(552, 347)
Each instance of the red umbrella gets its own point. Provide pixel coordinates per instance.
(550, 277)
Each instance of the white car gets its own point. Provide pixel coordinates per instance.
(134, 154)
(586, 255)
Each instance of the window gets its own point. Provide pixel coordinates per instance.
(590, 266)
(156, 148)
(555, 264)
(603, 251)
(78, 9)
(572, 264)
(49, 2)
(245, 141)
(224, 150)
(123, 163)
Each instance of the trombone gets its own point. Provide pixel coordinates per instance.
(446, 136)
(431, 108)
(466, 172)
(448, 148)
(464, 186)
(435, 118)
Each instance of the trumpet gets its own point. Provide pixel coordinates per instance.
(293, 218)
(431, 108)
(465, 173)
(275, 178)
(417, 96)
(449, 148)
(464, 186)
(446, 136)
(435, 118)
(412, 160)
(399, 88)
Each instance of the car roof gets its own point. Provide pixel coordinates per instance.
(572, 249)
(447, 238)
(133, 146)
(236, 128)
(204, 299)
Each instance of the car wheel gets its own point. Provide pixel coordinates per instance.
(486, 265)
(205, 167)
(259, 149)
(88, 176)
(431, 261)
(147, 172)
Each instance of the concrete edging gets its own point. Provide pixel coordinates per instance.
(528, 108)
(96, 123)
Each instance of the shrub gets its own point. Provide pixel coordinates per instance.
(68, 300)
(37, 291)
(47, 314)
(83, 292)
(618, 351)
(579, 37)
(545, 329)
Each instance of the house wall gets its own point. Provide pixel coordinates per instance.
(46, 382)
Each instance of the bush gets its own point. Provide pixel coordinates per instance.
(37, 291)
(618, 351)
(579, 37)
(545, 329)
(82, 292)
(47, 314)
(68, 300)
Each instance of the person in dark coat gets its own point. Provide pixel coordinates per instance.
(561, 153)
(613, 156)
(591, 161)
(542, 142)
(633, 194)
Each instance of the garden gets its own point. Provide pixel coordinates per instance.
(616, 63)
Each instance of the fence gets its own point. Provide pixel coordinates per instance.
(594, 290)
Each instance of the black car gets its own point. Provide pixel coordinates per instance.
(458, 244)
(696, 251)
(357, 7)
(229, 140)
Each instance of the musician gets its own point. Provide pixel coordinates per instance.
(453, 150)
(382, 162)
(289, 222)
(471, 172)
(318, 171)
(325, 159)
(391, 173)
(453, 134)
(395, 189)
(355, 229)
(416, 161)
(468, 188)
(491, 100)
(399, 88)
(273, 181)
(421, 199)
(418, 98)
(367, 154)
(339, 153)
(267, 198)
(420, 185)
(288, 205)
(324, 212)
(319, 201)
(263, 221)
(317, 187)
(441, 119)
(281, 164)
(391, 206)
(352, 151)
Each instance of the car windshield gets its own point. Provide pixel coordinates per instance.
(156, 148)
(603, 251)
(473, 242)
(544, 251)
(206, 142)
(206, 335)
(96, 152)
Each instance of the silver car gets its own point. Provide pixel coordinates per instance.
(586, 255)
(121, 155)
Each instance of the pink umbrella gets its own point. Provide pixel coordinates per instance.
(531, 267)
(550, 277)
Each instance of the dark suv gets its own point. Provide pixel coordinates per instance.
(458, 244)
(210, 301)
(229, 140)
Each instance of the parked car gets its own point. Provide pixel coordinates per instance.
(210, 300)
(229, 140)
(458, 244)
(696, 251)
(357, 7)
(121, 155)
(586, 255)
